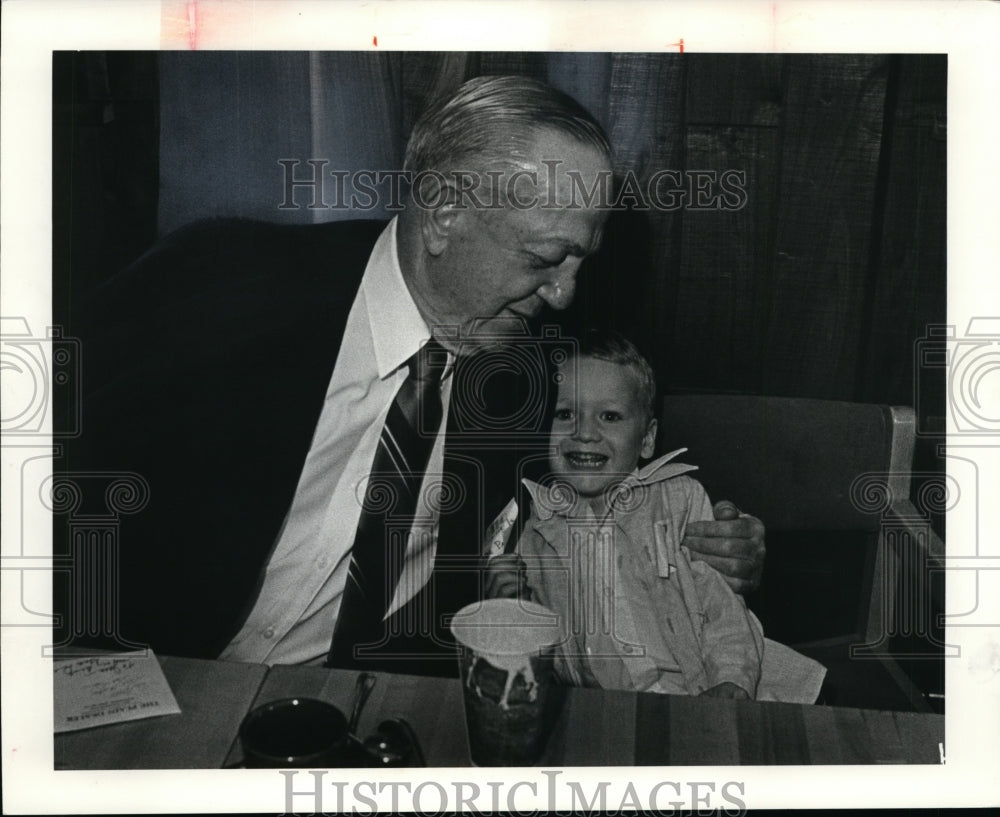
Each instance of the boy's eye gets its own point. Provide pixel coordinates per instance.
(610, 416)
(564, 414)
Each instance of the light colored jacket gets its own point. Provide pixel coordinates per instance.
(638, 613)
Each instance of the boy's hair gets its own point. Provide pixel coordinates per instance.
(614, 347)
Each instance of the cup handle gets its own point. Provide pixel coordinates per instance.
(411, 737)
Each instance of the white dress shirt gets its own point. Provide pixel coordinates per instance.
(293, 618)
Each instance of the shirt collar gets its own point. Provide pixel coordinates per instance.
(553, 500)
(398, 330)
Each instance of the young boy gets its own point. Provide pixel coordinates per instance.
(602, 545)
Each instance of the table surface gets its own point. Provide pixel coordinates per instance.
(595, 727)
(213, 697)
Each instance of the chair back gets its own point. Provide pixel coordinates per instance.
(815, 473)
(790, 462)
(845, 547)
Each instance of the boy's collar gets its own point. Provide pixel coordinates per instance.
(557, 499)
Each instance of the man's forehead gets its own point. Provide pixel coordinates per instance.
(574, 231)
(552, 143)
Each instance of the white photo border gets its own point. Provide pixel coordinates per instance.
(966, 31)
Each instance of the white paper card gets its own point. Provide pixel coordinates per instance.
(99, 690)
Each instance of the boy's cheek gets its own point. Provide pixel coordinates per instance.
(563, 427)
(556, 462)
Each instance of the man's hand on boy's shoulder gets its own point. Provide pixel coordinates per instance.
(732, 543)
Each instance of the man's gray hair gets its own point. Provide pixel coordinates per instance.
(491, 121)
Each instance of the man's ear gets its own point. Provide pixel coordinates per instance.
(437, 202)
(649, 440)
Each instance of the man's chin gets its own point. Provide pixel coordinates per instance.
(508, 322)
(485, 333)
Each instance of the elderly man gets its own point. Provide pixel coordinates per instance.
(277, 368)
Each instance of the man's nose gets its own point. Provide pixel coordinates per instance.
(559, 290)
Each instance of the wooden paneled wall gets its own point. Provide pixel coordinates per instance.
(821, 283)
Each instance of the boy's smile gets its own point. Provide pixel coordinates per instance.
(600, 429)
(585, 459)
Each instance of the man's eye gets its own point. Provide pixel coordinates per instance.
(564, 414)
(538, 262)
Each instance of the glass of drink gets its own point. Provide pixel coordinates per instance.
(505, 660)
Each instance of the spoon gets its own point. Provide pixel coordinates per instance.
(362, 689)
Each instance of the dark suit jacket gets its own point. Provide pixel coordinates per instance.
(205, 365)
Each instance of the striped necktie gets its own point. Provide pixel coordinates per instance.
(390, 505)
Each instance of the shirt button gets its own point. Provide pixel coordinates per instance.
(269, 632)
